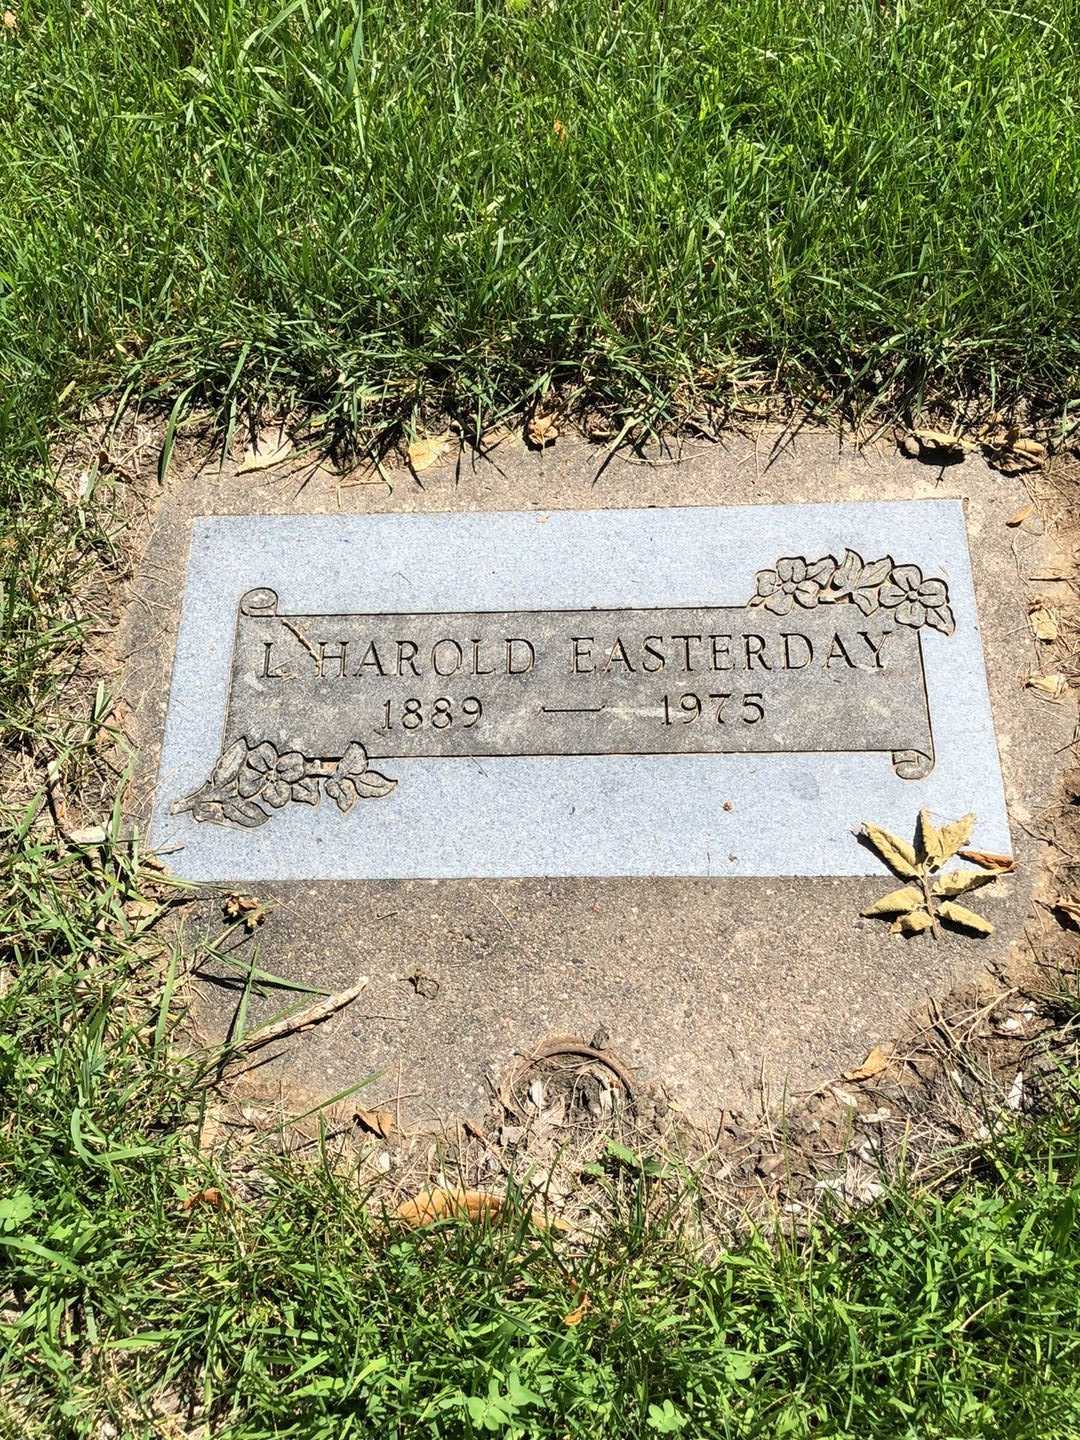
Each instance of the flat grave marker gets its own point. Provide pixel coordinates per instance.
(697, 691)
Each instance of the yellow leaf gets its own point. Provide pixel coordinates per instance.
(928, 841)
(1052, 686)
(955, 834)
(914, 923)
(897, 902)
(424, 452)
(11, 20)
(431, 1205)
(1043, 622)
(1024, 513)
(940, 440)
(877, 1061)
(575, 1316)
(958, 882)
(961, 915)
(542, 430)
(1030, 447)
(559, 129)
(989, 860)
(897, 853)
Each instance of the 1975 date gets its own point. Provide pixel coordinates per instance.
(720, 707)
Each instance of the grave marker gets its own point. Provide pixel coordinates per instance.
(688, 691)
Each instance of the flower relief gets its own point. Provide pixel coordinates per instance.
(253, 775)
(869, 585)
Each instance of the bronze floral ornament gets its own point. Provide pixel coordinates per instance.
(874, 585)
(252, 779)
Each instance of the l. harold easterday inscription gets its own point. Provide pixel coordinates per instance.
(670, 691)
(825, 655)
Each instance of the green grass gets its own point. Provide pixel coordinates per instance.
(292, 1311)
(369, 208)
(367, 205)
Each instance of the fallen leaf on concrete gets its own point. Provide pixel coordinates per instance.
(1024, 513)
(897, 853)
(929, 841)
(962, 916)
(933, 445)
(914, 922)
(211, 1196)
(989, 860)
(958, 882)
(1053, 687)
(376, 1122)
(876, 1061)
(244, 907)
(271, 448)
(426, 450)
(918, 907)
(897, 902)
(542, 430)
(955, 834)
(575, 1316)
(1043, 622)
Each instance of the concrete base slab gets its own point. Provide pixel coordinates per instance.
(708, 986)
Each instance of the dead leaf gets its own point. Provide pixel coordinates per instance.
(1030, 447)
(211, 1196)
(1024, 513)
(271, 448)
(11, 20)
(989, 860)
(376, 1122)
(929, 844)
(959, 882)
(575, 1316)
(876, 1061)
(559, 129)
(914, 923)
(954, 834)
(426, 451)
(897, 902)
(962, 916)
(542, 430)
(1043, 622)
(431, 1205)
(934, 443)
(897, 853)
(1070, 910)
(1052, 686)
(246, 908)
